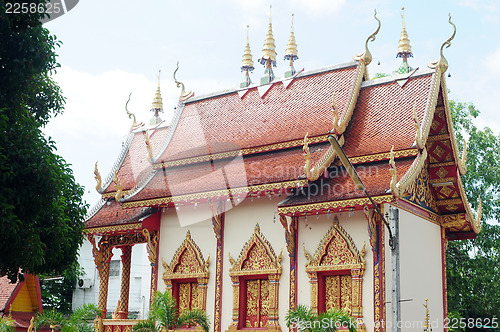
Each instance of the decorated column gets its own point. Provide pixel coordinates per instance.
(102, 256)
(291, 245)
(125, 282)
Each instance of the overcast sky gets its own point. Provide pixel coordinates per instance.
(112, 48)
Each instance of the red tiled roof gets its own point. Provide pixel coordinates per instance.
(282, 115)
(111, 213)
(6, 291)
(384, 116)
(135, 163)
(375, 176)
(270, 167)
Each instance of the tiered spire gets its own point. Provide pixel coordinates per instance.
(291, 53)
(404, 48)
(247, 64)
(157, 104)
(268, 57)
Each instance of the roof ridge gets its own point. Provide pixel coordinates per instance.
(303, 74)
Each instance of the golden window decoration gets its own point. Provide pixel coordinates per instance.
(336, 273)
(186, 276)
(255, 276)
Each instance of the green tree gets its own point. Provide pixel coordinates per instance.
(163, 314)
(303, 319)
(473, 266)
(41, 206)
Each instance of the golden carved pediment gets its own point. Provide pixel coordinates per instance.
(335, 251)
(188, 262)
(256, 256)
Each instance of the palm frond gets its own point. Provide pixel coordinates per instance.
(147, 325)
(194, 317)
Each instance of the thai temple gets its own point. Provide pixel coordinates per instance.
(247, 210)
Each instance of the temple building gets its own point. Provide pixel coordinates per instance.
(247, 211)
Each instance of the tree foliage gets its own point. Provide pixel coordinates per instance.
(40, 203)
(473, 266)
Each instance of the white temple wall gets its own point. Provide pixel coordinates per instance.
(421, 272)
(172, 234)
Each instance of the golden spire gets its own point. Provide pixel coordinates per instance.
(268, 57)
(247, 63)
(157, 104)
(291, 51)
(404, 42)
(269, 51)
(404, 47)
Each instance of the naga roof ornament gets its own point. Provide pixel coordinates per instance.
(404, 48)
(419, 140)
(291, 52)
(442, 63)
(148, 146)
(184, 95)
(157, 104)
(97, 177)
(366, 56)
(135, 125)
(314, 172)
(118, 186)
(462, 167)
(268, 57)
(247, 63)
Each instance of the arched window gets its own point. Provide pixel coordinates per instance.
(187, 276)
(255, 276)
(336, 273)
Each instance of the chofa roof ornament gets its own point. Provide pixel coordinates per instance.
(135, 125)
(442, 63)
(184, 95)
(366, 56)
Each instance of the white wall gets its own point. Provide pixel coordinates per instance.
(421, 272)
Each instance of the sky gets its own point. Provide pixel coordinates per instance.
(113, 48)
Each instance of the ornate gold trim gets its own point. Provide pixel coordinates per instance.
(334, 204)
(383, 156)
(444, 202)
(115, 228)
(209, 194)
(242, 152)
(436, 138)
(313, 173)
(346, 257)
(114, 193)
(409, 177)
(200, 268)
(266, 264)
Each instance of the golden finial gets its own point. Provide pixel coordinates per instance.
(442, 63)
(291, 50)
(404, 46)
(184, 96)
(157, 103)
(257, 228)
(247, 63)
(268, 57)
(97, 177)
(366, 56)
